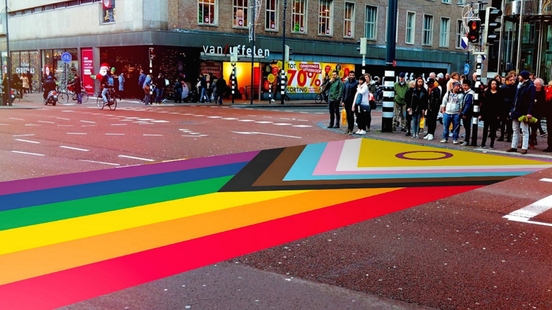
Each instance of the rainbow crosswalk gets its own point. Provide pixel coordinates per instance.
(67, 238)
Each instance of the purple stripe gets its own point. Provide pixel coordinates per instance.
(27, 185)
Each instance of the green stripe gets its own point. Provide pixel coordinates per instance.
(86, 206)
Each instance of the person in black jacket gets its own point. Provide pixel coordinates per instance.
(417, 105)
(220, 90)
(347, 98)
(433, 106)
(509, 92)
(490, 111)
(521, 112)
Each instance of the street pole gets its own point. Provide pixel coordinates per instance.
(283, 72)
(388, 104)
(8, 59)
(252, 39)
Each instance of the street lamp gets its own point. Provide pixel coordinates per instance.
(8, 60)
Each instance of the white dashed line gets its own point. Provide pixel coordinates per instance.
(24, 135)
(246, 120)
(32, 125)
(98, 162)
(264, 133)
(264, 122)
(73, 148)
(214, 116)
(152, 135)
(137, 158)
(281, 124)
(302, 126)
(17, 119)
(45, 122)
(114, 134)
(76, 133)
(89, 122)
(27, 153)
(119, 124)
(545, 180)
(229, 118)
(27, 141)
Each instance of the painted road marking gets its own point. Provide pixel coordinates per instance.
(73, 148)
(46, 122)
(302, 126)
(89, 122)
(63, 118)
(264, 133)
(152, 135)
(99, 162)
(17, 119)
(281, 124)
(27, 141)
(525, 214)
(76, 133)
(32, 125)
(546, 180)
(114, 134)
(27, 153)
(24, 135)
(137, 158)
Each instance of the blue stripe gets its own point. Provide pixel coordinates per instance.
(40, 197)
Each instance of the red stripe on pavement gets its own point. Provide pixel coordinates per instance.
(85, 282)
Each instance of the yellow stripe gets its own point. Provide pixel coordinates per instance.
(23, 238)
(39, 261)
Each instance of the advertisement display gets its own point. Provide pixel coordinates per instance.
(303, 77)
(87, 69)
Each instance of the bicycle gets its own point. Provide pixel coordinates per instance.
(320, 98)
(69, 93)
(111, 100)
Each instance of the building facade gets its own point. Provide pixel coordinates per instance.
(196, 36)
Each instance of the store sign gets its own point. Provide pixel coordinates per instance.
(108, 11)
(242, 51)
(87, 65)
(307, 76)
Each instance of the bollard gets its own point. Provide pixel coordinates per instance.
(388, 104)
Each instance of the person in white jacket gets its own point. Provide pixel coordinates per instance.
(361, 106)
(451, 109)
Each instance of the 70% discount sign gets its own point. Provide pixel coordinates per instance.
(304, 77)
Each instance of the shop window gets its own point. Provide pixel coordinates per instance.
(299, 16)
(206, 13)
(325, 17)
(241, 11)
(271, 15)
(349, 20)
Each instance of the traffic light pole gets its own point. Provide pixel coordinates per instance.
(283, 72)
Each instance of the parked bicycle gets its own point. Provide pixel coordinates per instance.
(69, 93)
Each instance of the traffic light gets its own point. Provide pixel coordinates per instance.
(362, 46)
(474, 26)
(492, 25)
(288, 53)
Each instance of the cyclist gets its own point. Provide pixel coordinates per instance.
(108, 82)
(76, 83)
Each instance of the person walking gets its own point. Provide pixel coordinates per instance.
(399, 109)
(335, 92)
(220, 89)
(521, 112)
(347, 98)
(77, 88)
(451, 108)
(434, 102)
(159, 88)
(25, 84)
(147, 89)
(547, 113)
(417, 105)
(490, 111)
(141, 81)
(122, 81)
(537, 112)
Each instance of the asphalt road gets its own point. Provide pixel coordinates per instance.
(469, 251)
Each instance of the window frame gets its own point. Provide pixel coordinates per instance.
(349, 21)
(444, 34)
(238, 5)
(371, 24)
(427, 32)
(459, 33)
(301, 17)
(325, 17)
(207, 3)
(276, 19)
(412, 31)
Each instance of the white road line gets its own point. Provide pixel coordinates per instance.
(229, 118)
(24, 135)
(17, 119)
(546, 180)
(99, 162)
(89, 122)
(246, 120)
(214, 116)
(76, 133)
(32, 125)
(194, 135)
(119, 124)
(73, 148)
(114, 134)
(264, 133)
(27, 141)
(27, 153)
(65, 125)
(160, 121)
(137, 158)
(63, 118)
(264, 122)
(152, 135)
(302, 126)
(45, 122)
(281, 124)
(527, 213)
(1, 124)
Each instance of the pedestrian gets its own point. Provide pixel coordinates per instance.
(407, 99)
(122, 81)
(108, 81)
(147, 89)
(177, 88)
(467, 110)
(521, 112)
(30, 78)
(400, 87)
(25, 84)
(220, 89)
(347, 98)
(77, 88)
(361, 105)
(141, 81)
(335, 93)
(451, 109)
(454, 77)
(202, 88)
(434, 102)
(159, 88)
(490, 111)
(508, 92)
(547, 112)
(417, 105)
(537, 112)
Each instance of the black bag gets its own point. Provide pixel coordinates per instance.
(373, 105)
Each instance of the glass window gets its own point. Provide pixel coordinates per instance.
(410, 27)
(298, 16)
(271, 15)
(427, 32)
(445, 29)
(240, 13)
(446, 1)
(370, 22)
(325, 17)
(206, 13)
(459, 33)
(349, 20)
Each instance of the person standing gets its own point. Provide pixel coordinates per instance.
(417, 105)
(522, 107)
(122, 80)
(490, 111)
(467, 110)
(25, 84)
(77, 88)
(509, 92)
(335, 92)
(361, 105)
(451, 108)
(537, 112)
(159, 88)
(30, 78)
(347, 98)
(141, 81)
(220, 89)
(147, 89)
(434, 102)
(547, 112)
(400, 87)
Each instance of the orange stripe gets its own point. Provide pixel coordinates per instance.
(39, 261)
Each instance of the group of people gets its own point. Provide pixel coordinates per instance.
(211, 87)
(355, 96)
(512, 105)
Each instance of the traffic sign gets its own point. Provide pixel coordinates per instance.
(66, 57)
(466, 69)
